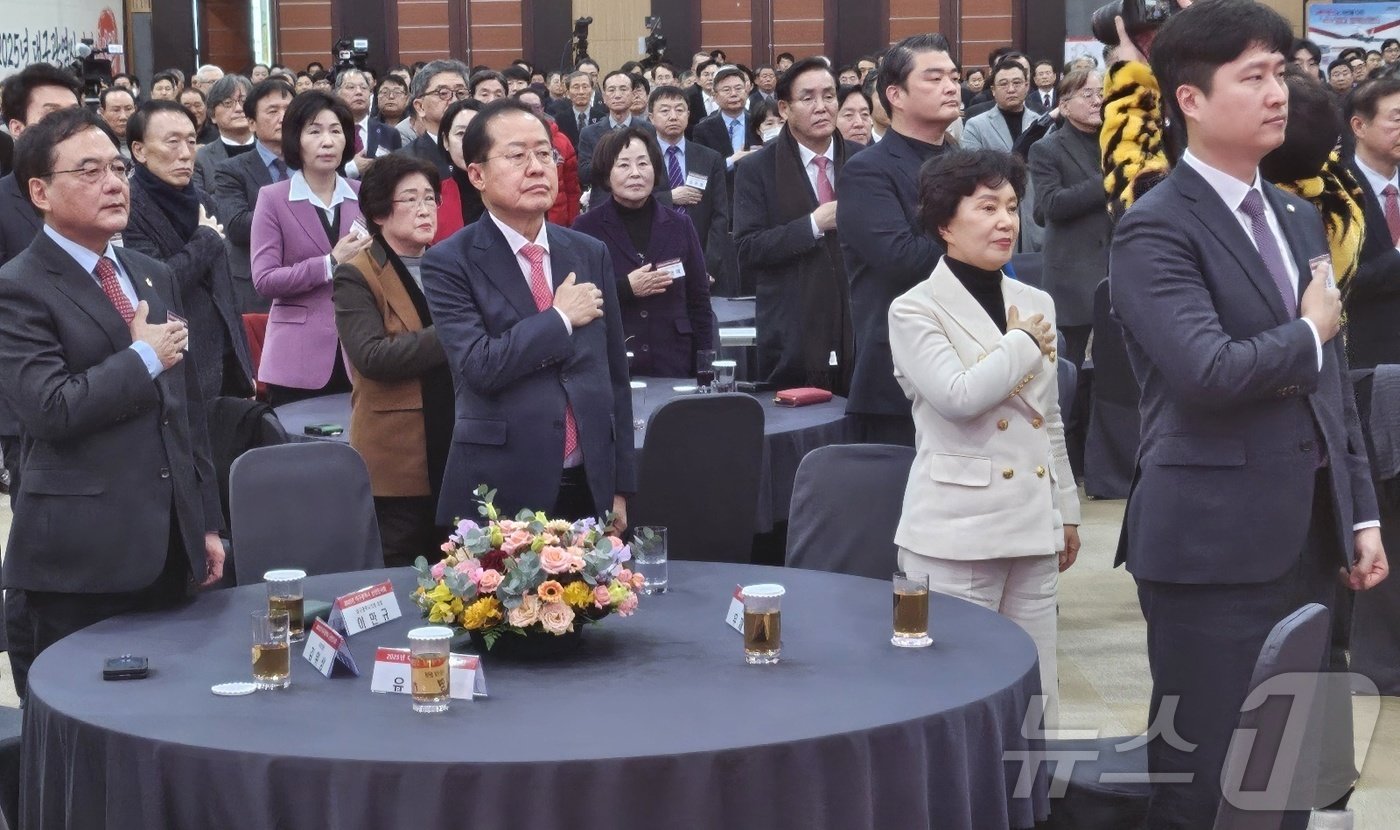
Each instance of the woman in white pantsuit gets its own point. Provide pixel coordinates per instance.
(991, 513)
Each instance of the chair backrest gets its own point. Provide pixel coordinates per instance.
(846, 501)
(1275, 737)
(237, 425)
(699, 476)
(255, 329)
(1028, 268)
(1067, 375)
(304, 505)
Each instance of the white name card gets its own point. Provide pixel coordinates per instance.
(735, 617)
(393, 672)
(696, 181)
(325, 647)
(674, 269)
(364, 609)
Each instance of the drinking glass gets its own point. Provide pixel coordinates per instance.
(705, 369)
(649, 555)
(763, 623)
(911, 610)
(272, 650)
(639, 401)
(724, 375)
(428, 649)
(284, 594)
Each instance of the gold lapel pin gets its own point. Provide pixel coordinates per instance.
(1289, 208)
(148, 282)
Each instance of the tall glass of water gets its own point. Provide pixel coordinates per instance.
(725, 375)
(428, 649)
(649, 557)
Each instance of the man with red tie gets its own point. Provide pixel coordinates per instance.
(528, 315)
(1373, 294)
(114, 446)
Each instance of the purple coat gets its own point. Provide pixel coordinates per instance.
(289, 248)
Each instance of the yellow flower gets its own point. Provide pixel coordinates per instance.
(440, 593)
(440, 612)
(496, 537)
(550, 591)
(484, 613)
(578, 594)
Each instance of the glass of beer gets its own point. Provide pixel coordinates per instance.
(428, 649)
(272, 650)
(284, 594)
(911, 610)
(763, 623)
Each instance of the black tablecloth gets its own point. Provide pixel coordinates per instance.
(789, 434)
(655, 722)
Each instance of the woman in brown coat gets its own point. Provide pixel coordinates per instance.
(401, 408)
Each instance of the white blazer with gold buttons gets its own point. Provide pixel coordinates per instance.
(991, 478)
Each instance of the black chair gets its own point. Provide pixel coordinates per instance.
(304, 505)
(10, 722)
(698, 476)
(1110, 448)
(1028, 268)
(237, 425)
(1296, 645)
(846, 502)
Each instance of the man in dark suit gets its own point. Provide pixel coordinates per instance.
(372, 137)
(886, 252)
(699, 97)
(114, 433)
(528, 315)
(727, 130)
(1044, 95)
(785, 226)
(617, 96)
(1252, 489)
(29, 95)
(695, 180)
(1373, 293)
(577, 111)
(435, 87)
(174, 223)
(225, 105)
(238, 181)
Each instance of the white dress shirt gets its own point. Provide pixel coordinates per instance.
(362, 130)
(810, 168)
(1378, 182)
(301, 192)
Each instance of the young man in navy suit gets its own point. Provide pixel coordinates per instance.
(528, 315)
(1252, 492)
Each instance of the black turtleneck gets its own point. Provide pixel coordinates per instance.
(1013, 122)
(638, 222)
(924, 150)
(985, 288)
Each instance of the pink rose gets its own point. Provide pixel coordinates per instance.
(638, 582)
(489, 581)
(600, 596)
(469, 568)
(616, 542)
(516, 540)
(438, 569)
(525, 614)
(554, 560)
(447, 546)
(557, 618)
(627, 606)
(575, 560)
(624, 576)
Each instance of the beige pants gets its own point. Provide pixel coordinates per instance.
(1019, 588)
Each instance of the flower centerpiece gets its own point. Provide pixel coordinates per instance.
(526, 577)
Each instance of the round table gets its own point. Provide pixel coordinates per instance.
(655, 722)
(789, 433)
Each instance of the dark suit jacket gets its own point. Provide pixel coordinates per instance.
(711, 215)
(695, 100)
(1069, 201)
(588, 143)
(886, 254)
(664, 330)
(1373, 293)
(206, 164)
(237, 183)
(1035, 104)
(567, 119)
(201, 271)
(1233, 404)
(105, 446)
(18, 226)
(426, 147)
(516, 368)
(7, 153)
(382, 135)
(713, 132)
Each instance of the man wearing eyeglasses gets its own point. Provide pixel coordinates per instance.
(435, 87)
(998, 129)
(528, 315)
(617, 97)
(372, 137)
(92, 358)
(225, 106)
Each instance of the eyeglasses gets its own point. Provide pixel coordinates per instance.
(520, 158)
(447, 93)
(93, 173)
(231, 102)
(391, 93)
(431, 200)
(1089, 95)
(1017, 84)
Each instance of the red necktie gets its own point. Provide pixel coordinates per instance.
(359, 143)
(1392, 212)
(825, 192)
(107, 275)
(544, 298)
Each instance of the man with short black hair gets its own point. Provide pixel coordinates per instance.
(528, 315)
(765, 81)
(727, 130)
(696, 181)
(999, 128)
(1307, 56)
(25, 98)
(617, 96)
(1339, 77)
(1373, 293)
(517, 78)
(700, 96)
(116, 106)
(1044, 97)
(576, 111)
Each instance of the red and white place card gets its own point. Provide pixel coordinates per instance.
(325, 647)
(735, 617)
(359, 611)
(393, 673)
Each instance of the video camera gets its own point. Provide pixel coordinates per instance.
(1142, 19)
(351, 53)
(655, 43)
(93, 66)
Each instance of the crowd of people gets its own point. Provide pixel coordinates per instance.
(484, 257)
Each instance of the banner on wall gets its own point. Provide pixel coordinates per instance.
(1339, 26)
(51, 32)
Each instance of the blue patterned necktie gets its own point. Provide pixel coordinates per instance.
(673, 167)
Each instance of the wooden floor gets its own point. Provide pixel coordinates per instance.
(1104, 682)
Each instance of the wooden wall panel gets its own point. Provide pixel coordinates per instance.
(494, 37)
(912, 17)
(728, 25)
(307, 37)
(612, 39)
(422, 30)
(799, 27)
(986, 25)
(224, 41)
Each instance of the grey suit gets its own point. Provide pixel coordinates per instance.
(1070, 202)
(237, 182)
(988, 132)
(588, 142)
(206, 164)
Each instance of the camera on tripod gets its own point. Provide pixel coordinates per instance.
(93, 66)
(1142, 19)
(654, 43)
(351, 53)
